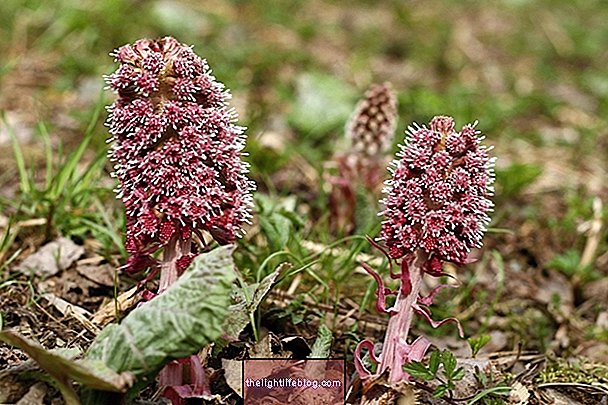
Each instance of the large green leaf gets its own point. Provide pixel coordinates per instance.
(178, 323)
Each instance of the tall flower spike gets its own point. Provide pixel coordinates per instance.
(436, 209)
(176, 148)
(177, 154)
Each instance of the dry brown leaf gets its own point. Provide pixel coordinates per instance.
(233, 373)
(51, 258)
(102, 274)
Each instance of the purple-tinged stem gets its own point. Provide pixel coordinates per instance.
(396, 351)
(171, 376)
(175, 248)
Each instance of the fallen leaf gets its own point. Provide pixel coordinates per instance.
(113, 309)
(519, 394)
(51, 258)
(597, 291)
(102, 274)
(233, 373)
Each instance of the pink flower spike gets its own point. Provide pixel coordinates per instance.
(436, 210)
(449, 205)
(176, 147)
(177, 155)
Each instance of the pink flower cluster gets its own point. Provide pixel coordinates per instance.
(438, 197)
(177, 150)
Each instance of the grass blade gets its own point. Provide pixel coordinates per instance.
(24, 179)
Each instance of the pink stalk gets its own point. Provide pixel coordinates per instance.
(175, 249)
(395, 343)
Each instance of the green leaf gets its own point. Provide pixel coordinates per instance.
(440, 391)
(25, 182)
(477, 343)
(247, 300)
(449, 363)
(322, 346)
(68, 167)
(62, 366)
(190, 314)
(458, 374)
(418, 370)
(434, 362)
(568, 262)
(277, 229)
(513, 179)
(277, 219)
(498, 390)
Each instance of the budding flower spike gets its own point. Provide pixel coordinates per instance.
(371, 128)
(436, 210)
(177, 151)
(369, 133)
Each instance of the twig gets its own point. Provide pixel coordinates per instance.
(599, 387)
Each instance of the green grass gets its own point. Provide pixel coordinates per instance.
(68, 198)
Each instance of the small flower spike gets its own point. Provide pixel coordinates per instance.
(369, 133)
(176, 149)
(436, 210)
(371, 128)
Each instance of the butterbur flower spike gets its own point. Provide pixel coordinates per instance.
(437, 200)
(369, 133)
(177, 155)
(176, 149)
(371, 128)
(436, 210)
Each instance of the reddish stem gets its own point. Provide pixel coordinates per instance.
(395, 348)
(171, 376)
(174, 250)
